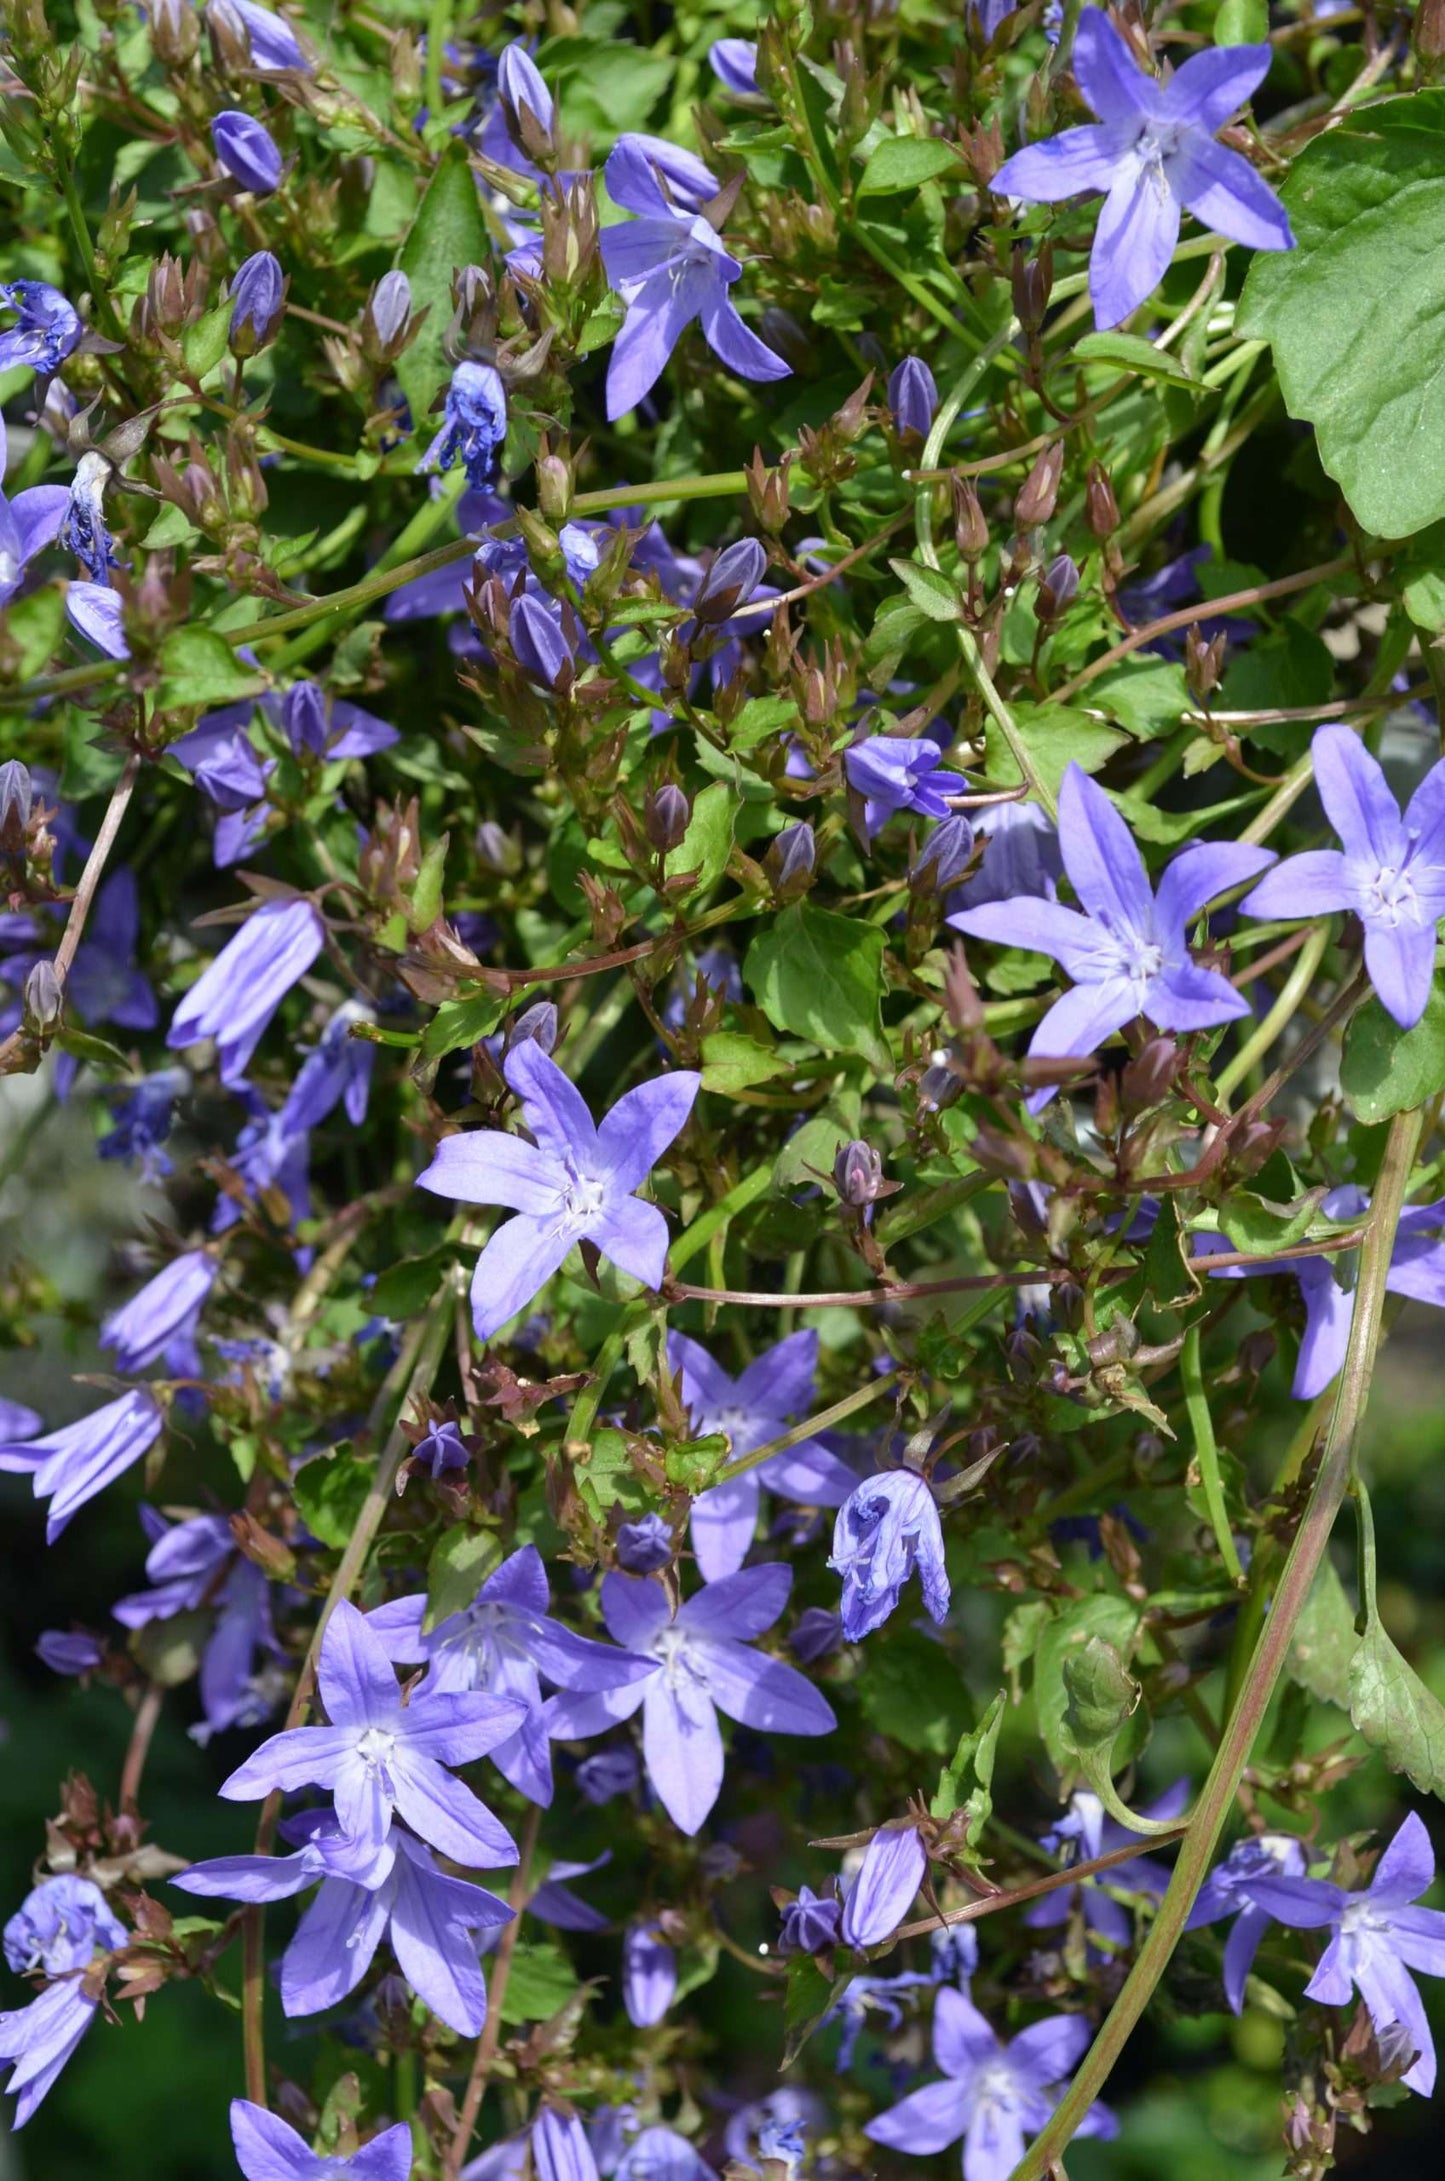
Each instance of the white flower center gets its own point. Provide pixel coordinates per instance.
(1129, 954)
(582, 1199)
(672, 1653)
(1363, 1918)
(1390, 896)
(376, 1746)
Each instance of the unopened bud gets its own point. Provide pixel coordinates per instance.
(258, 303)
(537, 1022)
(1429, 32)
(175, 31)
(497, 849)
(554, 487)
(42, 1000)
(1203, 663)
(913, 397)
(1101, 509)
(970, 526)
(1145, 1079)
(858, 1175)
(1058, 588)
(943, 858)
(1032, 280)
(540, 645)
(17, 796)
(1040, 491)
(789, 861)
(729, 582)
(768, 492)
(665, 816)
(386, 320)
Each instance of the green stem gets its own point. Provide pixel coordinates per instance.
(1284, 1010)
(1306, 1553)
(80, 228)
(823, 1421)
(1206, 1452)
(438, 23)
(1004, 720)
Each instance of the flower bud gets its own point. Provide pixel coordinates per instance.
(42, 1000)
(537, 1022)
(246, 151)
(913, 397)
(858, 1175)
(1032, 280)
(1040, 492)
(526, 103)
(1203, 663)
(819, 1632)
(539, 644)
(386, 319)
(497, 849)
(258, 303)
(649, 1975)
(555, 483)
(665, 816)
(789, 861)
(1058, 588)
(970, 528)
(885, 1888)
(17, 797)
(175, 31)
(1101, 509)
(943, 858)
(810, 1923)
(729, 581)
(1146, 1078)
(644, 1546)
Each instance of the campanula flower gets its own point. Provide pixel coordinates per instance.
(165, 1310)
(661, 2154)
(194, 1567)
(268, 2149)
(749, 1411)
(1376, 1938)
(810, 1922)
(943, 858)
(913, 396)
(234, 999)
(669, 266)
(98, 613)
(69, 1650)
(885, 1886)
(649, 1975)
(71, 1465)
(525, 101)
(886, 1531)
(317, 724)
(59, 1929)
(704, 1664)
(441, 1449)
(430, 1916)
(17, 1421)
(379, 1755)
(734, 62)
(143, 1115)
(899, 772)
(221, 759)
(993, 2095)
(575, 1182)
(46, 329)
(474, 425)
(337, 1071)
(1155, 155)
(1127, 950)
(1228, 1892)
(729, 581)
(1083, 1834)
(1389, 869)
(274, 45)
(610, 1773)
(862, 1999)
(506, 1642)
(1020, 856)
(28, 523)
(817, 1633)
(247, 152)
(539, 642)
(83, 530)
(258, 298)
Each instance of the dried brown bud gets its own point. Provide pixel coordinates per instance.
(1101, 509)
(970, 525)
(1033, 281)
(1039, 496)
(1203, 663)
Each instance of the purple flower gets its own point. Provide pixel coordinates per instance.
(69, 1651)
(337, 1071)
(560, 2150)
(1376, 1938)
(943, 858)
(17, 1421)
(258, 295)
(443, 1448)
(1228, 1892)
(810, 1922)
(574, 1183)
(268, 2149)
(885, 1887)
(898, 772)
(735, 64)
(273, 42)
(474, 425)
(234, 999)
(993, 2095)
(1020, 856)
(649, 1975)
(432, 1919)
(817, 1633)
(1128, 951)
(729, 581)
(913, 396)
(83, 529)
(644, 1546)
(661, 2154)
(540, 644)
(246, 151)
(1390, 870)
(1154, 153)
(195, 1566)
(787, 2104)
(57, 1930)
(1417, 1269)
(71, 1465)
(166, 1309)
(556, 1903)
(704, 1664)
(993, 13)
(888, 1530)
(142, 1117)
(379, 1755)
(521, 90)
(750, 1411)
(506, 1643)
(98, 613)
(320, 725)
(862, 1997)
(45, 331)
(610, 1773)
(1085, 1833)
(28, 523)
(269, 1155)
(669, 266)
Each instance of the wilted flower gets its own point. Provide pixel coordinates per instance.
(71, 1465)
(474, 425)
(888, 1530)
(649, 1975)
(46, 327)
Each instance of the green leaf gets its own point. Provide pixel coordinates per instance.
(1144, 695)
(731, 1062)
(606, 85)
(1101, 1696)
(1132, 353)
(1241, 22)
(1325, 1640)
(461, 1560)
(1389, 1703)
(204, 344)
(707, 843)
(1254, 1223)
(1113, 1621)
(1055, 737)
(541, 1983)
(199, 667)
(606, 1475)
(907, 162)
(759, 718)
(448, 232)
(409, 1285)
(820, 976)
(461, 1022)
(330, 1492)
(807, 1999)
(1353, 311)
(929, 589)
(1385, 1070)
(975, 1754)
(1168, 1281)
(912, 1692)
(34, 624)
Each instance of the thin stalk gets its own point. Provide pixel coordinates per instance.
(1206, 1452)
(1309, 1547)
(1283, 1012)
(486, 2051)
(823, 1421)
